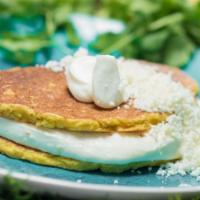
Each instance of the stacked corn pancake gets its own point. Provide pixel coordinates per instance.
(42, 121)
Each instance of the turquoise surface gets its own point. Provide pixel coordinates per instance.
(142, 177)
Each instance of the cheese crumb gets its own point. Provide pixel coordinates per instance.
(186, 124)
(150, 90)
(79, 181)
(54, 66)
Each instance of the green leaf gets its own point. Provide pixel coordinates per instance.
(21, 26)
(154, 41)
(72, 36)
(178, 50)
(146, 7)
(152, 57)
(60, 14)
(171, 19)
(27, 44)
(22, 51)
(13, 189)
(104, 41)
(130, 51)
(19, 57)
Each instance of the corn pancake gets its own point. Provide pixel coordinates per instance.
(40, 96)
(18, 151)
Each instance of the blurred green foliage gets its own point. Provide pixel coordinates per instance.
(165, 31)
(12, 189)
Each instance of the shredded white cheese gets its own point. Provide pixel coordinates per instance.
(189, 125)
(148, 89)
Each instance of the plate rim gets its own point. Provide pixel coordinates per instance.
(47, 181)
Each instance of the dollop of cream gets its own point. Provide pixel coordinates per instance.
(109, 82)
(94, 79)
(79, 77)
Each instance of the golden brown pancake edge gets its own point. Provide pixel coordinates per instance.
(40, 96)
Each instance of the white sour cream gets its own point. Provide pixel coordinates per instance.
(93, 147)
